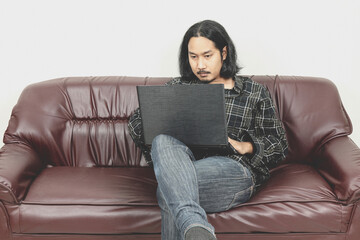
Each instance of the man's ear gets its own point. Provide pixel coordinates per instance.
(224, 53)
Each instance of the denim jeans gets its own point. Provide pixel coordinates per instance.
(189, 188)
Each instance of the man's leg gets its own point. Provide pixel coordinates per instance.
(223, 183)
(216, 183)
(169, 229)
(177, 184)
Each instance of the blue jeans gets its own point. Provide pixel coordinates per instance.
(189, 188)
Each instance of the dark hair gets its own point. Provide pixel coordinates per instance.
(216, 33)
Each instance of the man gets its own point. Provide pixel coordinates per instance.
(190, 184)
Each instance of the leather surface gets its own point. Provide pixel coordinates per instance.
(79, 121)
(87, 219)
(19, 165)
(85, 237)
(353, 231)
(123, 200)
(5, 231)
(311, 111)
(83, 121)
(253, 236)
(296, 199)
(97, 182)
(339, 163)
(94, 186)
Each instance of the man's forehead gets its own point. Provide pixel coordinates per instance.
(201, 45)
(205, 52)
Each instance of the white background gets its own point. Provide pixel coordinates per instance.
(42, 39)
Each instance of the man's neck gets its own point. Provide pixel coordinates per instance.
(229, 83)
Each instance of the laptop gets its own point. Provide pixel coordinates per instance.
(193, 114)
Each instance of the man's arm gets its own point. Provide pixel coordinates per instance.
(136, 133)
(269, 139)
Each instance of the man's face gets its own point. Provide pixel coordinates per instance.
(205, 59)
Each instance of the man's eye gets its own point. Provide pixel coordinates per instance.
(207, 56)
(192, 56)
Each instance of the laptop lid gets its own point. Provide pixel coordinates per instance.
(193, 114)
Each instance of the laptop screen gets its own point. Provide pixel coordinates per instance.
(194, 114)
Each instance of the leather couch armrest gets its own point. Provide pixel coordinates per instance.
(19, 165)
(339, 163)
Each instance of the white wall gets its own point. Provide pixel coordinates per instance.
(43, 39)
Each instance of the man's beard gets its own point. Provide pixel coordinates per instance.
(205, 81)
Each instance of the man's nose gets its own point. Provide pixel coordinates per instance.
(201, 63)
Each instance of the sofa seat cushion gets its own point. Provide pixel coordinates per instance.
(90, 200)
(295, 199)
(94, 186)
(123, 201)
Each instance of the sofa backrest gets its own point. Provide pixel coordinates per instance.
(79, 121)
(311, 111)
(82, 121)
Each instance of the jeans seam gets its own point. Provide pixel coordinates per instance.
(250, 189)
(223, 179)
(248, 174)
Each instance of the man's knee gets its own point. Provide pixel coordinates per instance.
(166, 144)
(160, 141)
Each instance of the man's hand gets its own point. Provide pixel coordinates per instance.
(242, 147)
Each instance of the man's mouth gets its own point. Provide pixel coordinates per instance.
(203, 73)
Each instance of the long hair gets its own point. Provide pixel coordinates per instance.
(216, 33)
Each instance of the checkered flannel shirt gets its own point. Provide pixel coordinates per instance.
(251, 117)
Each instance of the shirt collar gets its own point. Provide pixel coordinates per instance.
(238, 87)
(239, 83)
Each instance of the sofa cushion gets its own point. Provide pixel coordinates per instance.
(295, 199)
(298, 101)
(123, 200)
(97, 186)
(79, 121)
(82, 121)
(91, 200)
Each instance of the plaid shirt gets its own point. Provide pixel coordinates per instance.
(251, 117)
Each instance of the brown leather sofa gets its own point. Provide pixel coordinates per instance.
(70, 170)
